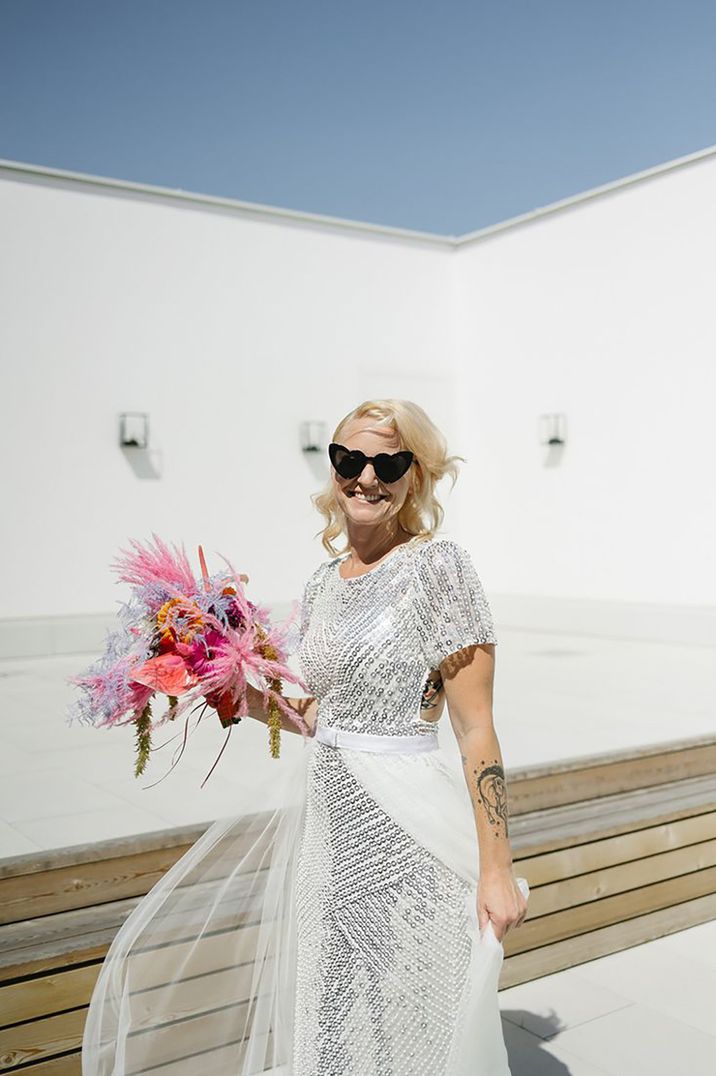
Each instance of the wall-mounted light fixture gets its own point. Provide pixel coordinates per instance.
(134, 429)
(553, 429)
(314, 436)
(144, 461)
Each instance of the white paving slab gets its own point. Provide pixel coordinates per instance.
(83, 827)
(48, 793)
(697, 943)
(529, 1055)
(638, 1039)
(619, 1016)
(667, 981)
(14, 843)
(547, 1006)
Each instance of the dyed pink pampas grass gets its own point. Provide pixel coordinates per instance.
(194, 641)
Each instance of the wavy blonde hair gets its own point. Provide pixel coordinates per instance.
(422, 514)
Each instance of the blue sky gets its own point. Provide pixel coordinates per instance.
(444, 116)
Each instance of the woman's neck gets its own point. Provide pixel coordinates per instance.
(366, 549)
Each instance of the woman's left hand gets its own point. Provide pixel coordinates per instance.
(499, 898)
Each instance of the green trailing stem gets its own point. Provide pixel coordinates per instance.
(144, 740)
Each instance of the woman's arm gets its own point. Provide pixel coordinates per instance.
(305, 708)
(468, 677)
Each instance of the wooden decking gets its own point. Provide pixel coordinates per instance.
(617, 849)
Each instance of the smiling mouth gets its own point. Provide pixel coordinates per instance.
(368, 500)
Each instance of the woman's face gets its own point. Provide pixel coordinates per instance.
(360, 512)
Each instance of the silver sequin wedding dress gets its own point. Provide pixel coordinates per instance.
(336, 934)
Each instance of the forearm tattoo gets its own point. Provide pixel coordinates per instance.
(431, 692)
(490, 786)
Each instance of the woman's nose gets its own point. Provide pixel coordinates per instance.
(369, 476)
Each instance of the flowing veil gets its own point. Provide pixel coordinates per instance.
(202, 975)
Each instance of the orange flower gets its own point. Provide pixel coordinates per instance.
(166, 673)
(166, 625)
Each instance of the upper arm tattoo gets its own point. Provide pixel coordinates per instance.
(431, 691)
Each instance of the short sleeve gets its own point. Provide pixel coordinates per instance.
(305, 612)
(309, 592)
(452, 610)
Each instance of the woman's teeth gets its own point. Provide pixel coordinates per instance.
(363, 497)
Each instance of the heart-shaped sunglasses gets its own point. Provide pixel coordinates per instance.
(389, 467)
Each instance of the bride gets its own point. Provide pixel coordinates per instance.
(355, 927)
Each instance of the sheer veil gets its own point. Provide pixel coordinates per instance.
(202, 975)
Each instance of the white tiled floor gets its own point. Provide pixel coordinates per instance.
(645, 1011)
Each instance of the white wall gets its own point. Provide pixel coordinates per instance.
(230, 331)
(604, 311)
(231, 328)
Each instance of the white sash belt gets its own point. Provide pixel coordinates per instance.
(368, 741)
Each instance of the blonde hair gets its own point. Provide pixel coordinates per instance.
(421, 514)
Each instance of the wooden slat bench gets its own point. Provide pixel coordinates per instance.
(618, 849)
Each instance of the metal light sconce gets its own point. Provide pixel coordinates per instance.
(144, 461)
(313, 436)
(553, 429)
(134, 429)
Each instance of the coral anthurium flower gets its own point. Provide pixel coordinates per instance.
(166, 673)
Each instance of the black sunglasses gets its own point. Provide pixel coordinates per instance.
(389, 467)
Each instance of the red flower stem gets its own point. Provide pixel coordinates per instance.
(216, 760)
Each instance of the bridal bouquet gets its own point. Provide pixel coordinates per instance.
(193, 642)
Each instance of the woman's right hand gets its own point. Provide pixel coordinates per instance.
(255, 701)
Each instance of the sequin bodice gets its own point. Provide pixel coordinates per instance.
(369, 642)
